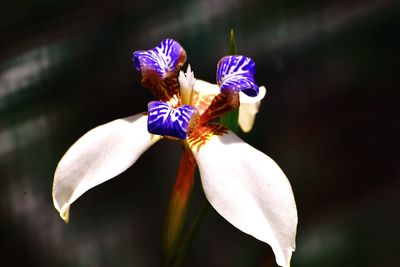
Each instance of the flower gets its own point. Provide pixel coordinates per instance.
(243, 184)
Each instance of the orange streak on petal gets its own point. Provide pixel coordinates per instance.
(201, 100)
(221, 104)
(203, 133)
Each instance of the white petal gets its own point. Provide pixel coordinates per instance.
(245, 99)
(99, 155)
(250, 191)
(206, 87)
(203, 94)
(248, 109)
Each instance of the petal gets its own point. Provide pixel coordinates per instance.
(159, 68)
(173, 122)
(203, 94)
(211, 103)
(99, 155)
(249, 108)
(204, 87)
(220, 104)
(250, 191)
(245, 99)
(236, 73)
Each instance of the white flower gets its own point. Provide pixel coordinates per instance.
(243, 184)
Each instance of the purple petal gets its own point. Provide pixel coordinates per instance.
(159, 67)
(162, 59)
(168, 121)
(236, 73)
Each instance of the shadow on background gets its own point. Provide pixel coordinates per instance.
(330, 119)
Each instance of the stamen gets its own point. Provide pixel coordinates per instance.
(186, 81)
(174, 101)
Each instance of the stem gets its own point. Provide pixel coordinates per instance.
(187, 241)
(178, 206)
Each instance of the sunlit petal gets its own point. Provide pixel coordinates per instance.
(250, 191)
(248, 109)
(204, 87)
(236, 73)
(159, 68)
(99, 155)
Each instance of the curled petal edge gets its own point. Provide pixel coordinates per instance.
(248, 109)
(236, 73)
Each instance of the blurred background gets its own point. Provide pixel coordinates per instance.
(330, 119)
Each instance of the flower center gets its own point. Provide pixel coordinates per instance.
(176, 118)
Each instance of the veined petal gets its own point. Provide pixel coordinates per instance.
(159, 68)
(203, 94)
(236, 73)
(99, 155)
(250, 191)
(249, 108)
(173, 122)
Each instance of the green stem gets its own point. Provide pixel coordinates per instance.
(187, 241)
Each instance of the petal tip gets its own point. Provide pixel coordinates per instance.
(250, 191)
(64, 212)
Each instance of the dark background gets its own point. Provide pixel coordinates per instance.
(330, 119)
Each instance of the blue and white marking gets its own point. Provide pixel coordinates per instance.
(168, 121)
(236, 73)
(162, 60)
